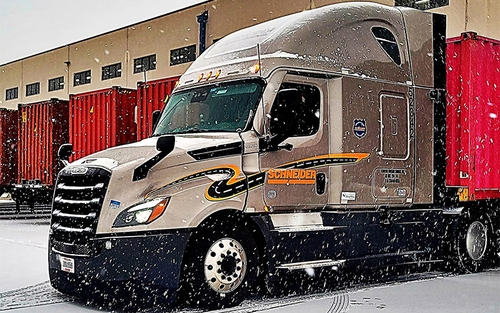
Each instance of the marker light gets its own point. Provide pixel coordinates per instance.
(200, 77)
(255, 69)
(217, 74)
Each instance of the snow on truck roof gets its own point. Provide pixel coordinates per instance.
(361, 38)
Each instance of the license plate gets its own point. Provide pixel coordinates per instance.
(67, 264)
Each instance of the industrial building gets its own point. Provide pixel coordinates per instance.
(165, 46)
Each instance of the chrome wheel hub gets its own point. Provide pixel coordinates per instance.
(225, 265)
(477, 240)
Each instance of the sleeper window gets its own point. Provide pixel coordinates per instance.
(388, 42)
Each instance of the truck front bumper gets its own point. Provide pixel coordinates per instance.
(152, 260)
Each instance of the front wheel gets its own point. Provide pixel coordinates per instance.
(221, 269)
(473, 244)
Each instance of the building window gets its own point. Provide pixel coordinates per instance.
(56, 83)
(11, 93)
(82, 78)
(183, 55)
(388, 42)
(111, 71)
(422, 4)
(146, 63)
(32, 89)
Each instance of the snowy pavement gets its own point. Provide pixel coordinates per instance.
(24, 286)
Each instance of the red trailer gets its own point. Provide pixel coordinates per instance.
(151, 96)
(473, 116)
(101, 119)
(8, 149)
(43, 127)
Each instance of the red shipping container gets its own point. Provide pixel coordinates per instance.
(473, 115)
(151, 96)
(101, 119)
(43, 127)
(8, 150)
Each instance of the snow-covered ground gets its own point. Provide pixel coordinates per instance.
(24, 286)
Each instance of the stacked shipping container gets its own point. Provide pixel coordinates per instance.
(43, 127)
(8, 148)
(473, 116)
(101, 119)
(151, 96)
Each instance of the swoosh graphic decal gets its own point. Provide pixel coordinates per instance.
(230, 186)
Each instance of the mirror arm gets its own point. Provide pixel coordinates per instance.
(286, 146)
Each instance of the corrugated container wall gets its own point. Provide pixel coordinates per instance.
(43, 127)
(101, 119)
(151, 96)
(473, 115)
(8, 150)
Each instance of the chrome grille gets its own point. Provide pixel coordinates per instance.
(77, 203)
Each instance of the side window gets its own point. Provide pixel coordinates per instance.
(388, 42)
(295, 111)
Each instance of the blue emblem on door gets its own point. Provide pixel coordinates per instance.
(359, 128)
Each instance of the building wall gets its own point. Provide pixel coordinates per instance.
(180, 29)
(480, 16)
(93, 54)
(10, 77)
(159, 36)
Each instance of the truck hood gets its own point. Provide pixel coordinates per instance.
(187, 149)
(139, 171)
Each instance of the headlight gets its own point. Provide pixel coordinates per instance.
(141, 213)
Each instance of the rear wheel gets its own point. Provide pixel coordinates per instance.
(474, 244)
(221, 269)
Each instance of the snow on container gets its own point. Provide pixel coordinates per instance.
(101, 119)
(473, 116)
(8, 149)
(43, 127)
(151, 97)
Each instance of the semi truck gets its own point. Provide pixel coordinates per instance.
(314, 141)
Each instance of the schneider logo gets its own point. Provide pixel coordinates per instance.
(79, 170)
(291, 177)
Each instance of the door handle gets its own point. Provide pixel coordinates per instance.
(320, 183)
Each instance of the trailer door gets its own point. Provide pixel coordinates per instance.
(296, 173)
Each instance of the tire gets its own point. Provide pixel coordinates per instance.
(220, 269)
(473, 244)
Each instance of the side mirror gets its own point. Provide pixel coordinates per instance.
(165, 144)
(64, 153)
(155, 118)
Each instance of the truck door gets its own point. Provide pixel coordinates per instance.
(392, 181)
(296, 172)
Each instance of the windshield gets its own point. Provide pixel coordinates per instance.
(225, 107)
